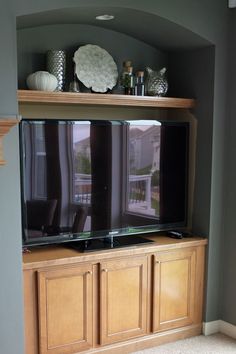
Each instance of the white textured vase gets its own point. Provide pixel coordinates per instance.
(42, 81)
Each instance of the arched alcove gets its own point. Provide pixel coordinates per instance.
(144, 26)
(146, 39)
(193, 72)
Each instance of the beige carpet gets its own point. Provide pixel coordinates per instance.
(214, 344)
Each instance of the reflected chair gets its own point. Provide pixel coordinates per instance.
(40, 213)
(80, 219)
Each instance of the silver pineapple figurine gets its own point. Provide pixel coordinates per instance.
(156, 82)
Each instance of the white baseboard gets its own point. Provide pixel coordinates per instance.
(228, 329)
(219, 326)
(211, 327)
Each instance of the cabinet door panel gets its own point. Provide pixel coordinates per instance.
(174, 289)
(65, 310)
(123, 299)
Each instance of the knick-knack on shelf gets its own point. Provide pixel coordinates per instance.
(156, 83)
(129, 81)
(42, 81)
(126, 65)
(56, 65)
(74, 84)
(139, 89)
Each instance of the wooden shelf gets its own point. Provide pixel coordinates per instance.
(5, 126)
(43, 97)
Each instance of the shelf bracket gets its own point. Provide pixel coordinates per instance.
(5, 125)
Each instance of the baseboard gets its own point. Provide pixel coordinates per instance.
(148, 341)
(212, 327)
(228, 329)
(219, 326)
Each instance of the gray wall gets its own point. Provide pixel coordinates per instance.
(33, 44)
(206, 18)
(183, 66)
(11, 329)
(228, 294)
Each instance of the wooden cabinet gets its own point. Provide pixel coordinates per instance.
(116, 301)
(65, 309)
(123, 290)
(174, 289)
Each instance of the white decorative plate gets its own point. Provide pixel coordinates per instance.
(95, 68)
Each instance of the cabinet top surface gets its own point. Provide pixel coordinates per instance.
(43, 97)
(60, 255)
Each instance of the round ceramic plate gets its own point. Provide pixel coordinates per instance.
(95, 68)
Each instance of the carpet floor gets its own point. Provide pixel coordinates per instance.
(214, 344)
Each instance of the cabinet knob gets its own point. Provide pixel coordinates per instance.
(89, 272)
(104, 270)
(158, 262)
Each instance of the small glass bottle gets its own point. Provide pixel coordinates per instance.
(74, 84)
(139, 89)
(129, 81)
(126, 65)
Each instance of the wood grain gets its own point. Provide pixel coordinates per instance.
(59, 255)
(30, 312)
(43, 97)
(123, 302)
(199, 284)
(5, 126)
(174, 289)
(57, 263)
(65, 309)
(149, 341)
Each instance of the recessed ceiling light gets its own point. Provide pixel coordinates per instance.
(105, 17)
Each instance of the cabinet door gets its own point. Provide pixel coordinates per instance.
(123, 299)
(65, 309)
(174, 289)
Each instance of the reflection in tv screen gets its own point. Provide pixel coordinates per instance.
(91, 179)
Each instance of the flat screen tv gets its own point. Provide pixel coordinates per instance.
(91, 182)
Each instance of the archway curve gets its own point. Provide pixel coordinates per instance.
(145, 26)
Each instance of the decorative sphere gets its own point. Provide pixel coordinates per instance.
(42, 81)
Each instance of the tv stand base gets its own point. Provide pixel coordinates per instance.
(107, 243)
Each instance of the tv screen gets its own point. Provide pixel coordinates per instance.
(92, 179)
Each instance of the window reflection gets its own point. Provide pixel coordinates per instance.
(144, 168)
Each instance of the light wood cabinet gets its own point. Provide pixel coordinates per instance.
(123, 294)
(65, 309)
(117, 301)
(174, 289)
